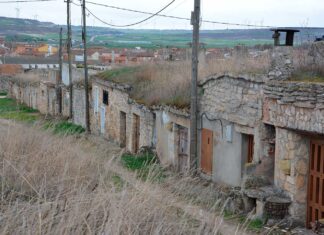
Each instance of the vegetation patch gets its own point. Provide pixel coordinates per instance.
(64, 128)
(256, 225)
(145, 165)
(3, 93)
(10, 109)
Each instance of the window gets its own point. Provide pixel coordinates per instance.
(105, 97)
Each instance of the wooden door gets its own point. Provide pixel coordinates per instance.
(315, 201)
(250, 148)
(183, 150)
(122, 129)
(206, 151)
(136, 132)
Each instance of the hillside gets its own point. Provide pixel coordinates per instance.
(36, 31)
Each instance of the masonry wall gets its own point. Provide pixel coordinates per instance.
(235, 99)
(295, 105)
(292, 168)
(118, 101)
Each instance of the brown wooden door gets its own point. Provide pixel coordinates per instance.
(136, 132)
(206, 151)
(315, 209)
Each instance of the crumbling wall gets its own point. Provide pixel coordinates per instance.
(291, 169)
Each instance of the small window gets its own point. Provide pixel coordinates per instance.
(105, 97)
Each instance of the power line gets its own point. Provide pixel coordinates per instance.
(26, 1)
(133, 24)
(168, 16)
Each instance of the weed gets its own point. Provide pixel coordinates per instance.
(255, 224)
(64, 128)
(10, 109)
(145, 165)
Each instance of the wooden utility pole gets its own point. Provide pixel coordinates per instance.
(59, 79)
(85, 58)
(69, 45)
(195, 21)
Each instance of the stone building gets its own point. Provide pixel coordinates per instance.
(296, 109)
(118, 118)
(131, 125)
(269, 127)
(232, 138)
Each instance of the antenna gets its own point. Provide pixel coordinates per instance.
(35, 17)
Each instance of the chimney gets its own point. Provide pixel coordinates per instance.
(282, 65)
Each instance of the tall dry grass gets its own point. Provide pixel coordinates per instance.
(169, 82)
(61, 185)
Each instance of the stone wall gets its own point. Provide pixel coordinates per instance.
(291, 169)
(295, 105)
(236, 99)
(119, 101)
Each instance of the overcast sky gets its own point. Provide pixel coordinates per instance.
(261, 12)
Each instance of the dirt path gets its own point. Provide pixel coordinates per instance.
(110, 153)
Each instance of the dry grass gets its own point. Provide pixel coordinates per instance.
(308, 68)
(168, 83)
(55, 185)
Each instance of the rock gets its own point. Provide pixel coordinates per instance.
(302, 167)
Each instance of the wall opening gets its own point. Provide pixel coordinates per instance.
(105, 97)
(136, 132)
(122, 129)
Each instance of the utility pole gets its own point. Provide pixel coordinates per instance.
(86, 81)
(59, 79)
(195, 21)
(69, 45)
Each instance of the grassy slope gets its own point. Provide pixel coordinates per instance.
(11, 110)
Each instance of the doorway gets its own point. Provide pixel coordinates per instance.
(136, 132)
(206, 163)
(122, 133)
(183, 155)
(315, 199)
